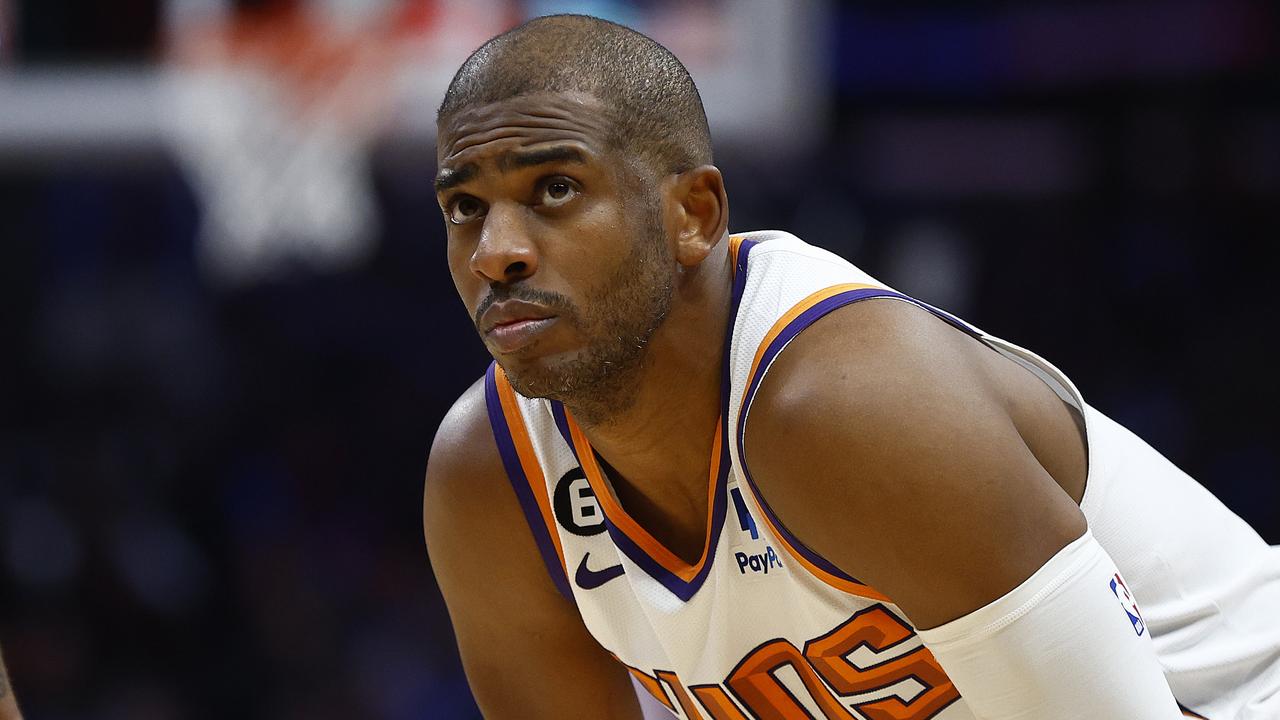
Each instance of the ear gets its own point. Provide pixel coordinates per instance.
(697, 213)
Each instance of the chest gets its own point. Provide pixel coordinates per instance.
(757, 632)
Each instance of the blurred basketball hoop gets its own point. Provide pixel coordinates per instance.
(273, 114)
(272, 111)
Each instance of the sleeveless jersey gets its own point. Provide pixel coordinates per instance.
(763, 627)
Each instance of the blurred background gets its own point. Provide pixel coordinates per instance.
(230, 333)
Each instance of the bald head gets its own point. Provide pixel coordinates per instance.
(654, 111)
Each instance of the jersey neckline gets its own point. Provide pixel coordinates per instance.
(673, 572)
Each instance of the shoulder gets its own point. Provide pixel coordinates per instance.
(471, 516)
(879, 358)
(510, 620)
(464, 430)
(881, 438)
(882, 377)
(464, 471)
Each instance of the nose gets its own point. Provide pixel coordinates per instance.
(505, 253)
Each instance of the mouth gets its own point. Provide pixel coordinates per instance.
(512, 324)
(513, 335)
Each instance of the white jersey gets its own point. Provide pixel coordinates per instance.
(762, 627)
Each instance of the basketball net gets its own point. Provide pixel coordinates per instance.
(273, 114)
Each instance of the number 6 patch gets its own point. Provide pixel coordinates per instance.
(575, 505)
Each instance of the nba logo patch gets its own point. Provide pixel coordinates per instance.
(1129, 605)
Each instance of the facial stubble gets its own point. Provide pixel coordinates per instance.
(617, 321)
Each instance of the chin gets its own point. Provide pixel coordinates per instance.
(571, 377)
(549, 377)
(533, 385)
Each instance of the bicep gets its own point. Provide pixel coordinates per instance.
(901, 464)
(524, 647)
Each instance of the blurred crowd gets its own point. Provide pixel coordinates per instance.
(210, 493)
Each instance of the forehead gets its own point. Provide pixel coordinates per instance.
(487, 131)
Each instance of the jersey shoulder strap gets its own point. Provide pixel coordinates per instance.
(524, 471)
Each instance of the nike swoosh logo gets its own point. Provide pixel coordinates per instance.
(589, 579)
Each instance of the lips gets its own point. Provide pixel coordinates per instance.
(513, 324)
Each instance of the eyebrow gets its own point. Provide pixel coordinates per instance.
(450, 178)
(529, 158)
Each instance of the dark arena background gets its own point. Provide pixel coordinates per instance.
(229, 333)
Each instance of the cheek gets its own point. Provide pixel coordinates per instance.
(459, 258)
(593, 243)
(464, 281)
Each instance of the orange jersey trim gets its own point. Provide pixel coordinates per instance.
(624, 522)
(796, 311)
(528, 458)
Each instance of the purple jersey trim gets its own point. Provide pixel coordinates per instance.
(794, 328)
(677, 585)
(739, 286)
(520, 483)
(562, 424)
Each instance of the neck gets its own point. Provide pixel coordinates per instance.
(662, 430)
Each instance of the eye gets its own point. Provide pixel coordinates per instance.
(464, 209)
(557, 192)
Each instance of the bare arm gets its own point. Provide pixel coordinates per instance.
(8, 704)
(915, 460)
(525, 649)
(916, 479)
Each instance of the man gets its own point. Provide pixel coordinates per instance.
(715, 464)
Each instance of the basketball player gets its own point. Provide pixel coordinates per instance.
(760, 482)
